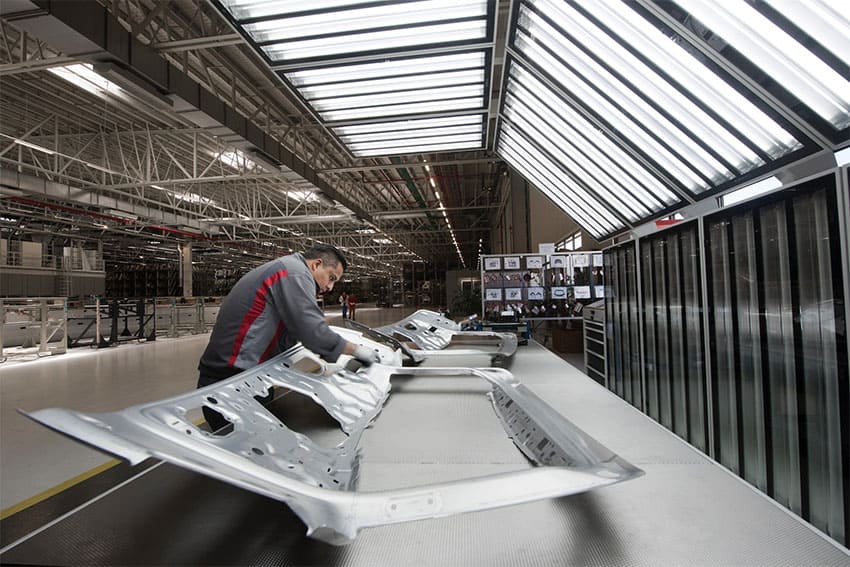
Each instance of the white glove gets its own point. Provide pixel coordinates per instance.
(366, 355)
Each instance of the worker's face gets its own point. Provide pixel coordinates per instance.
(326, 275)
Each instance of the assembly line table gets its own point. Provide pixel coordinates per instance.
(686, 510)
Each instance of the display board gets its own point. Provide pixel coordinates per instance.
(540, 286)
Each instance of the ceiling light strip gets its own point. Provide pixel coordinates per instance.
(407, 124)
(385, 15)
(561, 176)
(591, 130)
(781, 56)
(647, 86)
(338, 46)
(403, 109)
(523, 166)
(602, 92)
(573, 158)
(399, 135)
(403, 97)
(608, 154)
(395, 84)
(763, 133)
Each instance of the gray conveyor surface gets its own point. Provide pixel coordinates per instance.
(686, 510)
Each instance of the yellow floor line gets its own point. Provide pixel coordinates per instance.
(57, 489)
(31, 501)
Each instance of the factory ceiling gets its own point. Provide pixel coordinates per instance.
(391, 129)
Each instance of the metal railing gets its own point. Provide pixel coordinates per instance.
(42, 321)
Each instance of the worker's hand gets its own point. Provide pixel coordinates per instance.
(366, 355)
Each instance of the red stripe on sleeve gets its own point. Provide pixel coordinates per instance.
(253, 313)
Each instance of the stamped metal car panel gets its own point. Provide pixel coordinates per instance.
(439, 338)
(263, 455)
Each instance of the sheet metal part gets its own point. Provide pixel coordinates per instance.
(262, 455)
(439, 338)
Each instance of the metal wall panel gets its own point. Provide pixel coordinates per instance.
(673, 335)
(722, 333)
(621, 312)
(779, 349)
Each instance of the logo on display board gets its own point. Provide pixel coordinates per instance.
(536, 293)
(513, 293)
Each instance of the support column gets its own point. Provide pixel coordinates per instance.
(186, 268)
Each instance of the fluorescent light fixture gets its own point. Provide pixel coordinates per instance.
(559, 180)
(364, 19)
(35, 147)
(744, 193)
(399, 109)
(395, 84)
(474, 138)
(694, 77)
(302, 195)
(781, 56)
(83, 76)
(556, 183)
(586, 140)
(387, 68)
(407, 134)
(402, 97)
(409, 125)
(441, 147)
(374, 41)
(594, 87)
(642, 78)
(842, 157)
(382, 240)
(569, 157)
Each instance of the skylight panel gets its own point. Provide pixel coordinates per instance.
(395, 84)
(400, 97)
(557, 182)
(599, 147)
(420, 148)
(358, 19)
(415, 66)
(808, 77)
(409, 124)
(415, 133)
(654, 87)
(383, 68)
(699, 81)
(473, 138)
(400, 109)
(617, 103)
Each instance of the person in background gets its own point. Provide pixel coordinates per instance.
(352, 306)
(343, 301)
(269, 310)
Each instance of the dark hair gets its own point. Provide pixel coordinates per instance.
(329, 254)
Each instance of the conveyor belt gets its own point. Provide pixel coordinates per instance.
(686, 510)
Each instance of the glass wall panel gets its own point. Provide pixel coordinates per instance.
(724, 386)
(778, 336)
(662, 329)
(818, 360)
(650, 351)
(779, 365)
(673, 336)
(621, 312)
(693, 348)
(748, 352)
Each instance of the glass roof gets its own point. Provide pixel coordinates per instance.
(621, 109)
(359, 63)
